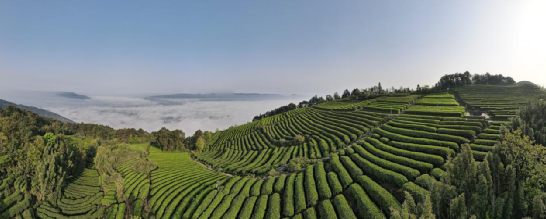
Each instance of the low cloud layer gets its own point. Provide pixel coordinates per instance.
(187, 115)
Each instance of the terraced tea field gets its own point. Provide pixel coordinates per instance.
(501, 102)
(82, 198)
(364, 159)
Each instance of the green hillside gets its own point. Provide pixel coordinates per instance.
(391, 155)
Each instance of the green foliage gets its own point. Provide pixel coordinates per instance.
(378, 172)
(342, 173)
(246, 211)
(311, 193)
(288, 196)
(335, 185)
(389, 161)
(279, 183)
(377, 193)
(530, 120)
(170, 140)
(310, 213)
(423, 134)
(321, 181)
(274, 207)
(326, 210)
(267, 187)
(200, 144)
(411, 209)
(342, 207)
(298, 163)
(364, 206)
(299, 194)
(260, 207)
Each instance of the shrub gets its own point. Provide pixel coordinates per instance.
(465, 123)
(137, 207)
(326, 210)
(377, 193)
(464, 133)
(322, 182)
(310, 187)
(342, 208)
(248, 185)
(413, 126)
(462, 127)
(298, 163)
(423, 134)
(335, 185)
(489, 136)
(425, 181)
(483, 148)
(288, 197)
(342, 173)
(121, 211)
(416, 160)
(426, 141)
(404, 170)
(209, 209)
(260, 206)
(378, 172)
(256, 188)
(267, 187)
(429, 149)
(349, 151)
(351, 166)
(438, 173)
(248, 205)
(417, 192)
(279, 183)
(299, 194)
(223, 206)
(364, 206)
(274, 207)
(234, 207)
(310, 214)
(485, 142)
(204, 204)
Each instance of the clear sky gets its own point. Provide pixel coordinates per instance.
(286, 46)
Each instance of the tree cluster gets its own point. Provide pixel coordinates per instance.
(276, 111)
(132, 136)
(107, 160)
(176, 141)
(464, 79)
(531, 120)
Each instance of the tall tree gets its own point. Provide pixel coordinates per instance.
(336, 96)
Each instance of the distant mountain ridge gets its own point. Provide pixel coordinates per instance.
(73, 95)
(221, 96)
(41, 112)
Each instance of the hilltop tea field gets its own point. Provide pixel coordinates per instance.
(348, 158)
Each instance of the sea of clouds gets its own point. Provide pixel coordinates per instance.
(187, 115)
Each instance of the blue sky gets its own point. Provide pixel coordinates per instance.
(304, 47)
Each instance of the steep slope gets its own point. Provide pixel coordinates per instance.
(41, 112)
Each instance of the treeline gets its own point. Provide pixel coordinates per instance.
(176, 140)
(464, 79)
(276, 111)
(509, 183)
(355, 94)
